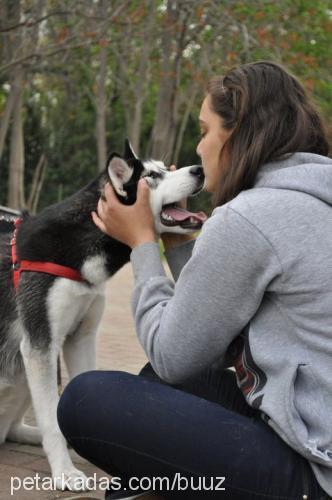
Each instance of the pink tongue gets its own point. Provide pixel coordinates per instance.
(180, 214)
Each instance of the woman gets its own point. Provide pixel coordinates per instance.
(254, 292)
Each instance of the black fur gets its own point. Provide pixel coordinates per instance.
(6, 226)
(10, 357)
(65, 234)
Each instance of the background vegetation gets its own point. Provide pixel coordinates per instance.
(77, 76)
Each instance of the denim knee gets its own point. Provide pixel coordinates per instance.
(84, 393)
(67, 412)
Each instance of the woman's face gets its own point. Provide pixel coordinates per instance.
(213, 137)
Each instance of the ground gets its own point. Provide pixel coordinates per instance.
(118, 349)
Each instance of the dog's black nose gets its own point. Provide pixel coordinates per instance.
(198, 171)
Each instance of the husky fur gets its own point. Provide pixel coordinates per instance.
(48, 313)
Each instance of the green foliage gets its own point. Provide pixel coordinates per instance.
(60, 96)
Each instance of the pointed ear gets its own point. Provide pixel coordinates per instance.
(120, 173)
(128, 151)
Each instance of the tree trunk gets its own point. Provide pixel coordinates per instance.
(5, 56)
(16, 161)
(36, 185)
(185, 117)
(142, 77)
(101, 95)
(18, 44)
(101, 111)
(4, 126)
(165, 125)
(162, 123)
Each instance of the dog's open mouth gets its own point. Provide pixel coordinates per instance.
(172, 215)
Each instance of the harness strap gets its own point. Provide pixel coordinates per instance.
(36, 266)
(15, 263)
(50, 268)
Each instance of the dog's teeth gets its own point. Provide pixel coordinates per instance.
(167, 217)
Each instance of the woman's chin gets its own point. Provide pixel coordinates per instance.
(207, 188)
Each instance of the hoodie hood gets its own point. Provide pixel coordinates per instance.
(305, 172)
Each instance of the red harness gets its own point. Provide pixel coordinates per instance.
(39, 267)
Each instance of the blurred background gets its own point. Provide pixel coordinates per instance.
(77, 77)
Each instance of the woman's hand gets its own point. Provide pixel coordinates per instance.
(133, 225)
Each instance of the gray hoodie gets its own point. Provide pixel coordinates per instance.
(255, 288)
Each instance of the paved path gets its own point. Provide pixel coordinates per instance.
(118, 349)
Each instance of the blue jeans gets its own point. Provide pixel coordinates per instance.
(138, 426)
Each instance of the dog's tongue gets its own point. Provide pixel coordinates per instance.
(180, 214)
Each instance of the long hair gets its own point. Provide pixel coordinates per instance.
(271, 118)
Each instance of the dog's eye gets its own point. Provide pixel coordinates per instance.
(153, 175)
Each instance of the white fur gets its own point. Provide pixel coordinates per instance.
(74, 312)
(41, 375)
(155, 165)
(94, 270)
(174, 186)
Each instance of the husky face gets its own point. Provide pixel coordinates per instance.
(166, 189)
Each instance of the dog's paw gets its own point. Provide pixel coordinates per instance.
(73, 480)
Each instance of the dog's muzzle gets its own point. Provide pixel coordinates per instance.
(172, 215)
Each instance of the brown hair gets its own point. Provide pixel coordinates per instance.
(271, 117)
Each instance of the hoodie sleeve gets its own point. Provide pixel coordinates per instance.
(178, 256)
(185, 327)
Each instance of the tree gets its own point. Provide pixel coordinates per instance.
(76, 79)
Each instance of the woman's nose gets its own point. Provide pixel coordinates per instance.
(198, 149)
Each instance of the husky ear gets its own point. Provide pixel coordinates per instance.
(128, 151)
(120, 173)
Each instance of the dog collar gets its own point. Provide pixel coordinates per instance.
(36, 266)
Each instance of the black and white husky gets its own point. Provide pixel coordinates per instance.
(46, 313)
